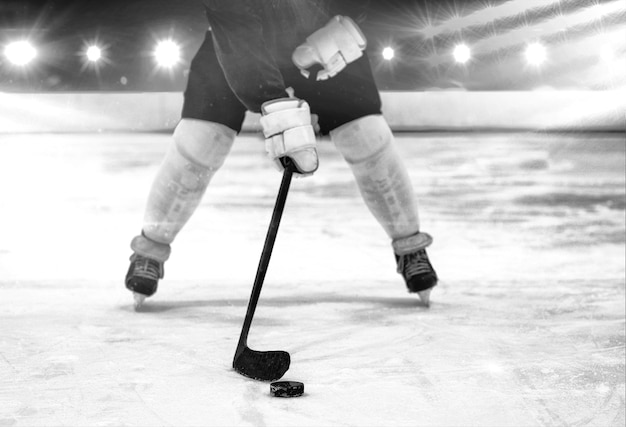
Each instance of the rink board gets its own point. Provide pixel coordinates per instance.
(546, 110)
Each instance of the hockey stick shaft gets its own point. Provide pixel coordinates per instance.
(268, 246)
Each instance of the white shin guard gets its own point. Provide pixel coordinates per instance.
(198, 150)
(368, 147)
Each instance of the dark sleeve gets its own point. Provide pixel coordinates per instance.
(250, 69)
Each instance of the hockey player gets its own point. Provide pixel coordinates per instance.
(287, 60)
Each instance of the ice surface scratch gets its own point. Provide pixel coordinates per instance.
(8, 363)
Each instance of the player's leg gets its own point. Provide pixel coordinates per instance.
(197, 151)
(211, 118)
(349, 108)
(367, 145)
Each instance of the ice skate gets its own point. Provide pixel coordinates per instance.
(143, 278)
(418, 273)
(138, 300)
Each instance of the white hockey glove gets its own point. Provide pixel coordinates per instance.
(286, 124)
(333, 46)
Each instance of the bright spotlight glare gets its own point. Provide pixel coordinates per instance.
(20, 52)
(388, 53)
(607, 55)
(462, 54)
(167, 53)
(536, 54)
(93, 53)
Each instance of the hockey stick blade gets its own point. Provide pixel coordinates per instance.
(262, 365)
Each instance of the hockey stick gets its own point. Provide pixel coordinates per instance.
(264, 365)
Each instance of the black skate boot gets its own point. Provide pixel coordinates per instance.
(143, 277)
(414, 266)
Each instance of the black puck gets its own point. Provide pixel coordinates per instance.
(286, 389)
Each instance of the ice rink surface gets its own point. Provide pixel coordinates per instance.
(526, 327)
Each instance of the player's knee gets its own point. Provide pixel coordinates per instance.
(198, 150)
(203, 144)
(362, 139)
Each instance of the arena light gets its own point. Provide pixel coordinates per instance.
(485, 15)
(167, 53)
(388, 53)
(93, 53)
(20, 52)
(535, 54)
(545, 26)
(462, 53)
(514, 9)
(554, 25)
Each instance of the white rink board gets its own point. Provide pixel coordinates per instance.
(405, 111)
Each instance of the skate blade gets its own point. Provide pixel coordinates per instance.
(138, 300)
(425, 297)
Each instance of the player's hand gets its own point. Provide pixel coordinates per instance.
(330, 49)
(288, 128)
(315, 123)
(314, 117)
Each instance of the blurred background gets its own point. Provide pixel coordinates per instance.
(474, 45)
